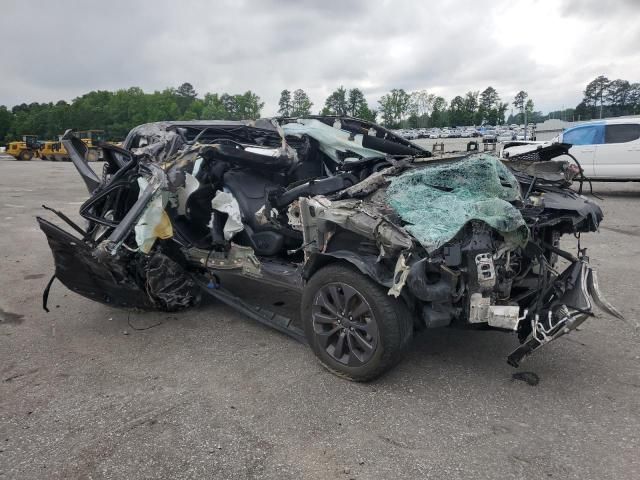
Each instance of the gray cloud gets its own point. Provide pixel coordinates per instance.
(551, 49)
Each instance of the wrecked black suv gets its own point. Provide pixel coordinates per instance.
(378, 237)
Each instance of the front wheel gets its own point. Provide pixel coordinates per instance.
(26, 155)
(354, 327)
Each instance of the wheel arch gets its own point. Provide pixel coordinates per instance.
(319, 260)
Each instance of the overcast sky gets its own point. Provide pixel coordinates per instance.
(54, 50)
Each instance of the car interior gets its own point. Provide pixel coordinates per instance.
(251, 164)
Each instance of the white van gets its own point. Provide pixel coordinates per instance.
(606, 149)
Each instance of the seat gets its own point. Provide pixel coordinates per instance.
(250, 191)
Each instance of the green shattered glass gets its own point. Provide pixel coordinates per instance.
(438, 200)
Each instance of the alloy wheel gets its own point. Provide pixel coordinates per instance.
(344, 324)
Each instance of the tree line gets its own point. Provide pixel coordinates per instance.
(609, 98)
(118, 111)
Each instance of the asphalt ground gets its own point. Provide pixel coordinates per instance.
(89, 391)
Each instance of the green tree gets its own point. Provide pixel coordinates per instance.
(420, 106)
(246, 106)
(6, 121)
(285, 103)
(336, 103)
(528, 107)
(617, 96)
(594, 94)
(519, 102)
(491, 110)
(301, 104)
(186, 96)
(249, 106)
(186, 90)
(355, 102)
(634, 98)
(439, 114)
(457, 111)
(162, 106)
(471, 108)
(358, 107)
(213, 108)
(394, 106)
(520, 99)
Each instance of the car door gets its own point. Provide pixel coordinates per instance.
(584, 140)
(619, 156)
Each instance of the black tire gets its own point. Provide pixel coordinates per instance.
(26, 155)
(92, 156)
(386, 316)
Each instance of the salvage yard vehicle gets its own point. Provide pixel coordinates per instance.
(53, 152)
(377, 237)
(26, 149)
(607, 150)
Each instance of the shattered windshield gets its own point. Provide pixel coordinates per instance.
(437, 201)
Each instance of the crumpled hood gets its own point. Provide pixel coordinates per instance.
(438, 200)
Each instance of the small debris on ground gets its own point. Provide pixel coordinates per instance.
(529, 377)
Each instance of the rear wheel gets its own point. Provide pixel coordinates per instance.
(353, 326)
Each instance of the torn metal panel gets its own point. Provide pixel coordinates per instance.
(191, 185)
(551, 170)
(103, 279)
(313, 239)
(78, 151)
(237, 257)
(354, 216)
(293, 214)
(400, 275)
(154, 181)
(373, 182)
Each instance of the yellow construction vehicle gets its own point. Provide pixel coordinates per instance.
(91, 138)
(54, 152)
(26, 149)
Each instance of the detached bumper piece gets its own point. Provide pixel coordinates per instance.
(570, 300)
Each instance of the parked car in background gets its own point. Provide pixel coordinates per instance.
(410, 134)
(489, 136)
(605, 149)
(505, 136)
(469, 133)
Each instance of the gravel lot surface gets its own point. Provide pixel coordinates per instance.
(208, 393)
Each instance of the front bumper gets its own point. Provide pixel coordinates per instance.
(570, 300)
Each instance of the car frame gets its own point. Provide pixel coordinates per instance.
(334, 209)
